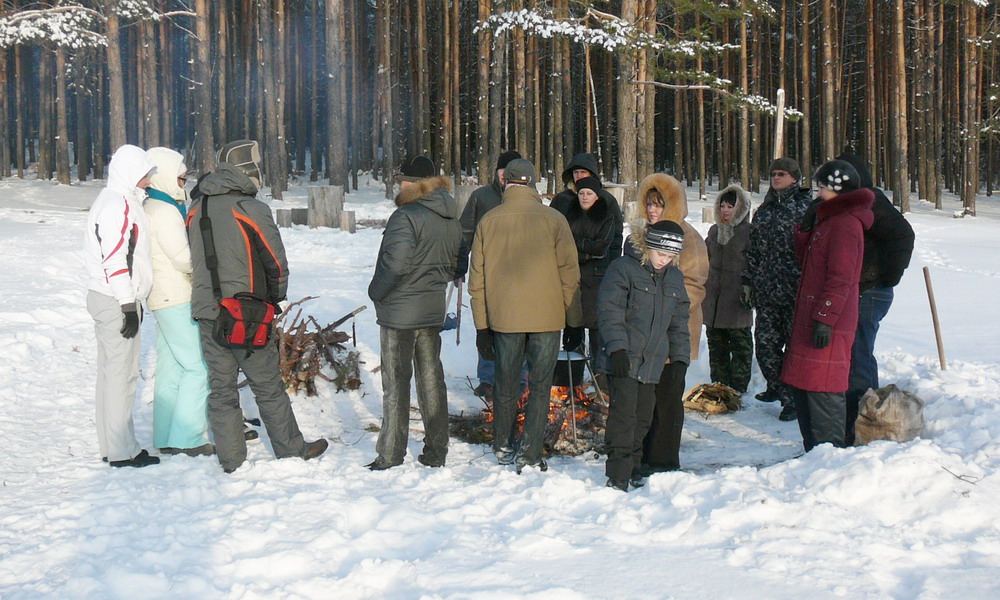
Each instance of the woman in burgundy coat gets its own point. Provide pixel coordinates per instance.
(830, 245)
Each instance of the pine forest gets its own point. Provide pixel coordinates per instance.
(709, 91)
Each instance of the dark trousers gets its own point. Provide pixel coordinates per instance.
(662, 445)
(772, 330)
(822, 417)
(403, 352)
(224, 412)
(874, 305)
(512, 349)
(630, 415)
(730, 355)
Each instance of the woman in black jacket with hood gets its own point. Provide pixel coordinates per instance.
(594, 228)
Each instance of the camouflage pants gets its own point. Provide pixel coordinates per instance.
(730, 354)
(772, 330)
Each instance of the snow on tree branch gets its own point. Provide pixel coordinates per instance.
(608, 32)
(71, 26)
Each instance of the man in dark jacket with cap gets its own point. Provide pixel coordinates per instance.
(251, 258)
(418, 258)
(480, 202)
(888, 248)
(585, 165)
(771, 276)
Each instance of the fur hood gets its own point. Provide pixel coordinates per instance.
(432, 192)
(740, 214)
(675, 202)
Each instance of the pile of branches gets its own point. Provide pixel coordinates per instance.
(305, 347)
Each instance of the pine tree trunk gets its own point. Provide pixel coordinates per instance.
(521, 131)
(483, 96)
(99, 110)
(84, 119)
(744, 112)
(222, 70)
(336, 110)
(62, 122)
(150, 91)
(204, 142)
(279, 178)
(384, 38)
(498, 81)
(901, 191)
(19, 110)
(45, 126)
(116, 80)
(970, 107)
(273, 154)
(805, 78)
(4, 110)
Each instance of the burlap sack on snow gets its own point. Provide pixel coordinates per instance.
(888, 413)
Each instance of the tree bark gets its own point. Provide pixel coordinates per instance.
(116, 80)
(901, 189)
(336, 110)
(204, 142)
(62, 122)
(483, 96)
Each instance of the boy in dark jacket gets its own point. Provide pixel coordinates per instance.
(418, 258)
(643, 319)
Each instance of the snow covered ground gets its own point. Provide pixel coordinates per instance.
(751, 517)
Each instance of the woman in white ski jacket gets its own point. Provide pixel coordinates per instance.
(180, 421)
(119, 274)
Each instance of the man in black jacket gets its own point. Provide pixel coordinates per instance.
(585, 165)
(480, 202)
(418, 258)
(251, 258)
(888, 247)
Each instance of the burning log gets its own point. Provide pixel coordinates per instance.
(304, 346)
(573, 427)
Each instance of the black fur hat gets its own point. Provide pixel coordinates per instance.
(838, 175)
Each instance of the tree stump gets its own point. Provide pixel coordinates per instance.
(325, 205)
(347, 222)
(283, 217)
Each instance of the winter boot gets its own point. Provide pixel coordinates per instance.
(505, 455)
(314, 449)
(541, 465)
(429, 462)
(788, 412)
(381, 464)
(618, 485)
(143, 459)
(768, 395)
(638, 478)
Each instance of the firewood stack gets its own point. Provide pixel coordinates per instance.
(305, 347)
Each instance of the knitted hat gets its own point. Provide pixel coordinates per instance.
(244, 155)
(838, 175)
(786, 164)
(590, 183)
(420, 167)
(520, 171)
(665, 235)
(506, 157)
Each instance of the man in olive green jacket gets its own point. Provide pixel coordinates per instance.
(524, 281)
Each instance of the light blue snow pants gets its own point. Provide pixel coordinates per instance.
(180, 394)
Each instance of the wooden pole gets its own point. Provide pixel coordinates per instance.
(934, 316)
(779, 126)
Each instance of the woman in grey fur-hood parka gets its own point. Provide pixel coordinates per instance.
(727, 243)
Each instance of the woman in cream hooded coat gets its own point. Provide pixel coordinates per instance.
(180, 421)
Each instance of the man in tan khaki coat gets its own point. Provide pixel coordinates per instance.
(524, 280)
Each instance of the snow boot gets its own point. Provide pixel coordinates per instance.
(429, 462)
(541, 465)
(314, 449)
(143, 459)
(381, 464)
(505, 455)
(618, 485)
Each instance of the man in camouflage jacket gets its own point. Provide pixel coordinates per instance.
(771, 276)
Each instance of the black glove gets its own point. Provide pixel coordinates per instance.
(572, 338)
(484, 343)
(619, 364)
(130, 327)
(821, 335)
(746, 297)
(809, 218)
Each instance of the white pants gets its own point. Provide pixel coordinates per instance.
(117, 370)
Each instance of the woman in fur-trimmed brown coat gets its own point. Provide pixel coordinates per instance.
(661, 198)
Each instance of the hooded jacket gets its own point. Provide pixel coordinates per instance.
(524, 275)
(593, 232)
(166, 211)
(831, 254)
(249, 248)
(772, 269)
(644, 312)
(693, 259)
(889, 241)
(117, 240)
(565, 199)
(726, 243)
(418, 257)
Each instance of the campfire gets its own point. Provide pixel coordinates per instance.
(305, 347)
(563, 433)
